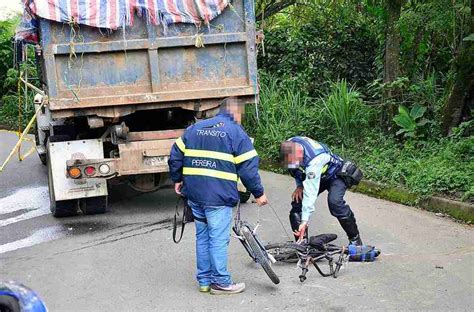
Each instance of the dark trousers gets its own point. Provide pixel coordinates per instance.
(337, 207)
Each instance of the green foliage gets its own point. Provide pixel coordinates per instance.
(284, 111)
(469, 38)
(318, 43)
(448, 169)
(9, 93)
(444, 166)
(431, 32)
(344, 111)
(409, 121)
(434, 166)
(6, 49)
(13, 97)
(9, 112)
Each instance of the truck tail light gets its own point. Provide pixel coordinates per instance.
(89, 171)
(74, 172)
(104, 169)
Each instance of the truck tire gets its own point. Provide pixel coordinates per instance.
(93, 205)
(63, 208)
(43, 159)
(244, 196)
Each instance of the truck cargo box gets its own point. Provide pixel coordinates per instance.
(86, 69)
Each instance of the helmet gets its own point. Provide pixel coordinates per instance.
(15, 297)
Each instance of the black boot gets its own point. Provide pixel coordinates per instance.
(356, 241)
(350, 227)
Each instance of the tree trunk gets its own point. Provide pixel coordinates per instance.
(392, 57)
(463, 84)
(412, 58)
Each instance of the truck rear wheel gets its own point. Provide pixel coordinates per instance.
(93, 205)
(43, 159)
(63, 208)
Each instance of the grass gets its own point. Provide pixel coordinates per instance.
(430, 166)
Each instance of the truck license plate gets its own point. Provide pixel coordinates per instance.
(155, 161)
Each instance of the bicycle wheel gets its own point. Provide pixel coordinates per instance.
(282, 252)
(244, 243)
(259, 254)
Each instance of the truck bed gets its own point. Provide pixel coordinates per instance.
(149, 65)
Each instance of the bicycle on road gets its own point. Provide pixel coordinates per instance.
(317, 249)
(247, 235)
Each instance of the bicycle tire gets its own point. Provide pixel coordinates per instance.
(244, 243)
(261, 258)
(282, 252)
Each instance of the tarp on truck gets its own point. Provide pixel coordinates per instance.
(113, 14)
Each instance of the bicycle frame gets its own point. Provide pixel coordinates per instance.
(312, 256)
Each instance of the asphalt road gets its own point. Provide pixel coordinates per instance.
(125, 260)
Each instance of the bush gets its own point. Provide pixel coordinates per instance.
(444, 166)
(9, 111)
(320, 51)
(284, 111)
(344, 111)
(435, 166)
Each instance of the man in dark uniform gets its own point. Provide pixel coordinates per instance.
(315, 169)
(205, 165)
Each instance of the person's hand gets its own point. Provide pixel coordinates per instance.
(297, 195)
(301, 231)
(262, 200)
(177, 188)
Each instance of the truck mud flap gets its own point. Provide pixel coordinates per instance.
(66, 188)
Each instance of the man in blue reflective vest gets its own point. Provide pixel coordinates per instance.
(315, 169)
(205, 165)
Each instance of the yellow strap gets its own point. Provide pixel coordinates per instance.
(245, 156)
(181, 145)
(209, 154)
(325, 168)
(210, 173)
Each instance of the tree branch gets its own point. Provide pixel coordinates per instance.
(274, 8)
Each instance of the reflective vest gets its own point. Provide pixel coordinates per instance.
(312, 149)
(210, 158)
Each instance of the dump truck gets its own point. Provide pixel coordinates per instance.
(116, 101)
